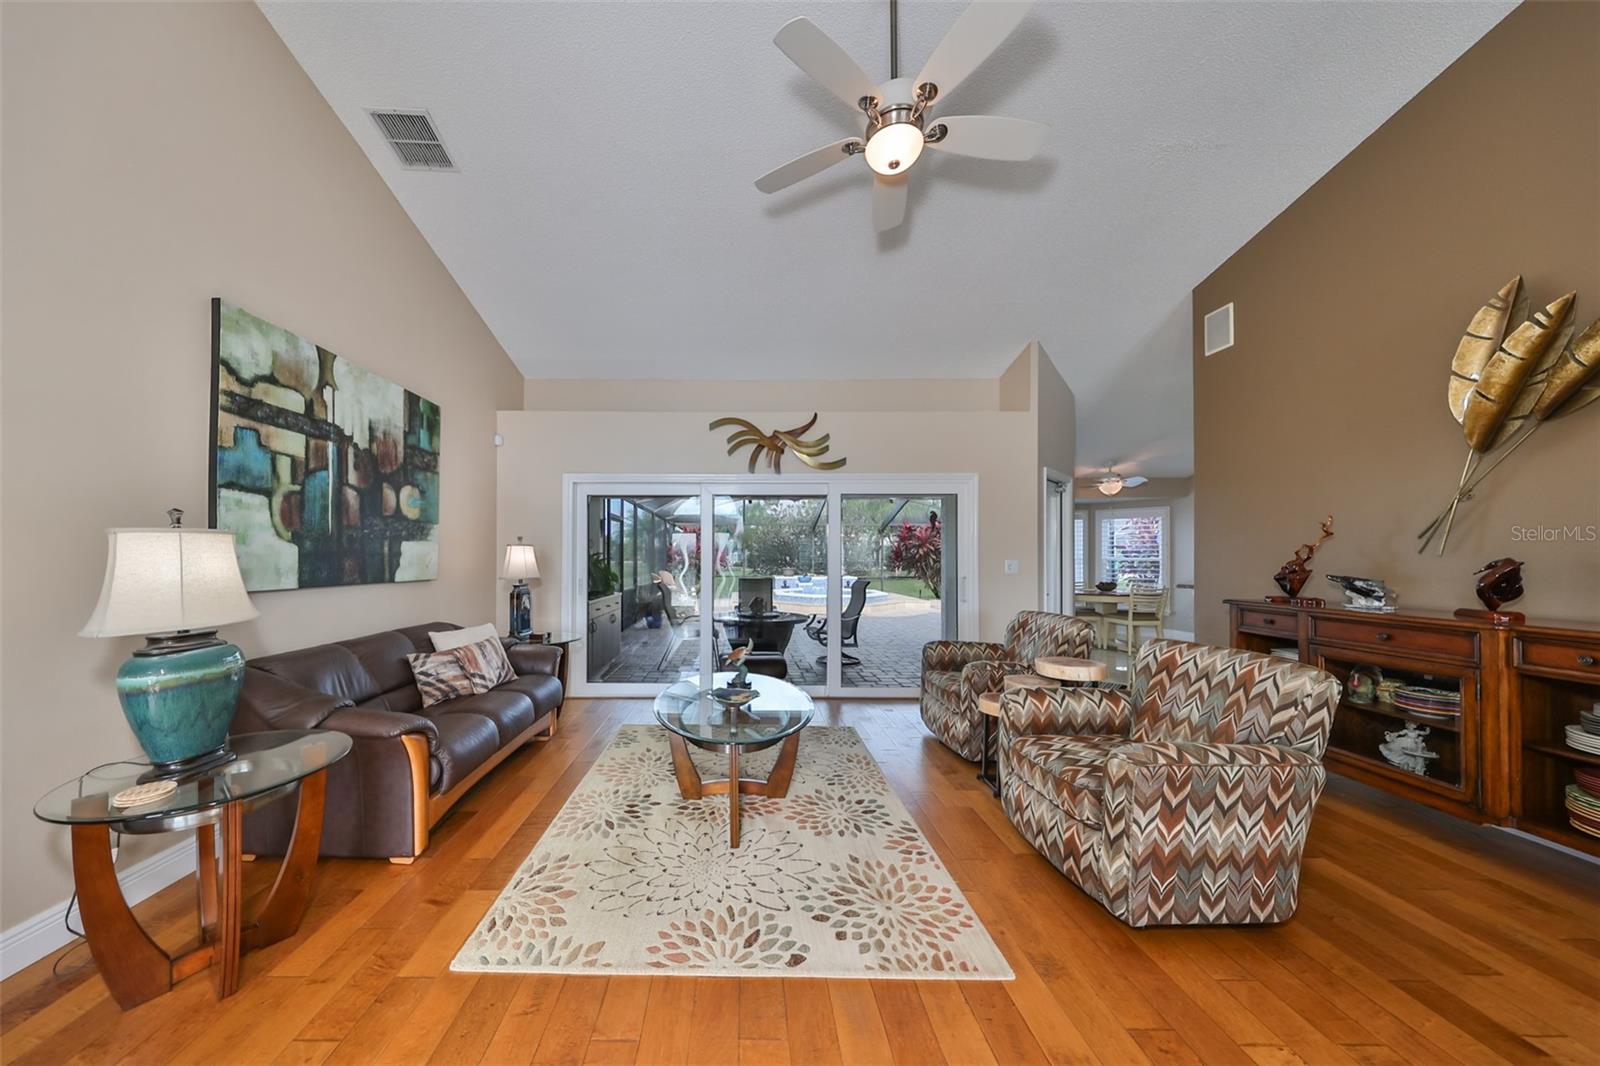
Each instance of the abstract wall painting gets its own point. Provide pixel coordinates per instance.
(327, 473)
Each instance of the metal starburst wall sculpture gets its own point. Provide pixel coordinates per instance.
(773, 444)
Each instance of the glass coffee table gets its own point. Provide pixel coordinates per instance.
(775, 716)
(265, 767)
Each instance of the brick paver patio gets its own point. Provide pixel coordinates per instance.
(891, 636)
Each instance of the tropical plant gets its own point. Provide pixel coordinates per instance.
(918, 550)
(602, 579)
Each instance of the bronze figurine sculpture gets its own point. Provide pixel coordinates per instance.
(1499, 582)
(1292, 575)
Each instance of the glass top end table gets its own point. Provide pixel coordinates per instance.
(212, 802)
(776, 716)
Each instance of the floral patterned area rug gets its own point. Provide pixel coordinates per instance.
(833, 880)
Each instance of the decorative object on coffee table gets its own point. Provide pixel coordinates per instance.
(521, 565)
(174, 587)
(1366, 593)
(212, 802)
(809, 452)
(1503, 386)
(1291, 576)
(1499, 582)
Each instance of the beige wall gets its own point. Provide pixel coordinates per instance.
(1349, 306)
(157, 156)
(743, 397)
(1001, 447)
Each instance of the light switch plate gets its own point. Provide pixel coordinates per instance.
(1013, 567)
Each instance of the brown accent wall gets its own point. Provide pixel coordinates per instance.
(1348, 309)
(157, 155)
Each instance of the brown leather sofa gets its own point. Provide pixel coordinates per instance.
(409, 765)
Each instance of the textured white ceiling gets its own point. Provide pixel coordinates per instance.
(604, 223)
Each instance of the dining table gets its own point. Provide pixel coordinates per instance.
(1105, 605)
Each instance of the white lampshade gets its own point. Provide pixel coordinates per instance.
(166, 580)
(520, 562)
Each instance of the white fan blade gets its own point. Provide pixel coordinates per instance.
(814, 162)
(1134, 482)
(976, 33)
(990, 137)
(821, 57)
(888, 203)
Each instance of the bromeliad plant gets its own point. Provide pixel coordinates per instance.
(1504, 386)
(919, 550)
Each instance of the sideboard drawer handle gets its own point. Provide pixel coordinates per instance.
(1270, 621)
(1586, 660)
(1384, 636)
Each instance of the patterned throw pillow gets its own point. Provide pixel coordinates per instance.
(485, 663)
(440, 676)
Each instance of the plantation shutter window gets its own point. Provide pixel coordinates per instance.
(1131, 545)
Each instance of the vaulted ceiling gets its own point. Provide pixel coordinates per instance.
(604, 223)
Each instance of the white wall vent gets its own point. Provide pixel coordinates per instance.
(414, 140)
(1219, 329)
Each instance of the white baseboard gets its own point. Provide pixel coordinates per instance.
(32, 939)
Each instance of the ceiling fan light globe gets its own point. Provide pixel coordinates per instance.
(892, 149)
(1109, 486)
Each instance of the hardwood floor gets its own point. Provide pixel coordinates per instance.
(1419, 939)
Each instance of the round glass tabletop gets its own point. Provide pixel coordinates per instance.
(556, 638)
(263, 763)
(778, 710)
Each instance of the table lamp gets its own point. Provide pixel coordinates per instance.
(521, 565)
(174, 587)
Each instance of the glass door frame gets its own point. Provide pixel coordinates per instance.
(577, 488)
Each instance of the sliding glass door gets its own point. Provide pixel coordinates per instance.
(900, 572)
(834, 583)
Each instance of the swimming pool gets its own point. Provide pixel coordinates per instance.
(812, 591)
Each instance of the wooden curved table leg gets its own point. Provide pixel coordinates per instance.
(733, 795)
(205, 865)
(227, 945)
(286, 904)
(134, 966)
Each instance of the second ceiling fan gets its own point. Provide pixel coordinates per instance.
(898, 125)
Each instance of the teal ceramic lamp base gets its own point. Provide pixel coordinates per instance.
(179, 694)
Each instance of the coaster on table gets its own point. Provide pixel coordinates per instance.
(148, 792)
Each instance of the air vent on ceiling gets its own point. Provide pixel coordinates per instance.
(1219, 329)
(414, 140)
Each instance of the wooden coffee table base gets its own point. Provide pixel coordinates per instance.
(692, 787)
(135, 967)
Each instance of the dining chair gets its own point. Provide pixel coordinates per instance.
(1147, 609)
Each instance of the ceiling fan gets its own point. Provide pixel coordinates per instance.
(1112, 482)
(898, 125)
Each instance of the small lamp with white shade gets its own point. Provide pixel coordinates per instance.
(174, 587)
(521, 565)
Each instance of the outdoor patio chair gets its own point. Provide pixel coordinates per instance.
(849, 624)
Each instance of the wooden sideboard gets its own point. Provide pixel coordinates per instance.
(1505, 761)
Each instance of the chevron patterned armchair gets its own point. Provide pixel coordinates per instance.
(1183, 801)
(956, 672)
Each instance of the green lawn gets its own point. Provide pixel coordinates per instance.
(904, 586)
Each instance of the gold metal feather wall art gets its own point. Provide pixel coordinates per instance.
(1506, 382)
(772, 444)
